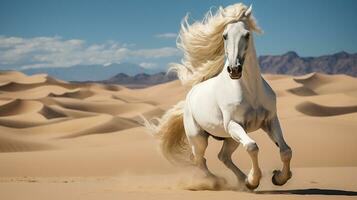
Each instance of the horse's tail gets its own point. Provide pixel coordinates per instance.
(170, 131)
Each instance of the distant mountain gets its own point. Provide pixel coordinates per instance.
(138, 80)
(131, 74)
(292, 63)
(143, 78)
(90, 72)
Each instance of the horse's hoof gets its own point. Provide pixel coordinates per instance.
(274, 178)
(249, 186)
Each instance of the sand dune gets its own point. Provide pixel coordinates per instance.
(50, 113)
(26, 121)
(77, 94)
(36, 93)
(8, 76)
(164, 95)
(29, 82)
(23, 82)
(11, 143)
(113, 125)
(17, 106)
(87, 141)
(327, 84)
(313, 109)
(118, 108)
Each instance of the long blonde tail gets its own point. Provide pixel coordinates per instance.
(170, 131)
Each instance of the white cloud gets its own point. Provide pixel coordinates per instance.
(148, 65)
(156, 53)
(166, 35)
(107, 64)
(56, 52)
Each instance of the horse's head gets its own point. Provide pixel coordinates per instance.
(236, 37)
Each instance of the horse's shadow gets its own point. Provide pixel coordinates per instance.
(310, 191)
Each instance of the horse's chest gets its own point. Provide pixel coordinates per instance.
(253, 118)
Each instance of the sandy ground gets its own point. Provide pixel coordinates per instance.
(74, 141)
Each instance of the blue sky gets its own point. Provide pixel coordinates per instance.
(56, 33)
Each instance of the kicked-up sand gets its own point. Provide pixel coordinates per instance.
(61, 140)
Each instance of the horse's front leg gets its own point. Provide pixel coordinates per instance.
(238, 133)
(272, 127)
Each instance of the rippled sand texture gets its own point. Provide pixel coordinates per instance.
(61, 140)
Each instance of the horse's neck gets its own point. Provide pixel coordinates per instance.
(251, 77)
(251, 82)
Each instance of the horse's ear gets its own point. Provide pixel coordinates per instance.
(248, 12)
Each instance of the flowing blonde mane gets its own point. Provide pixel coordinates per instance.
(203, 46)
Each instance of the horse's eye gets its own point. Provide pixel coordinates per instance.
(225, 36)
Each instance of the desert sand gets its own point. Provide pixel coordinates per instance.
(61, 140)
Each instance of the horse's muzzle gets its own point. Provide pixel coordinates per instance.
(235, 72)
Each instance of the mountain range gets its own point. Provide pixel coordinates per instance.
(134, 75)
(291, 63)
(137, 81)
(91, 72)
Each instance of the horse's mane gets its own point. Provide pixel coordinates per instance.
(203, 46)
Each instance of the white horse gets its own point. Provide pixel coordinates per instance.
(226, 104)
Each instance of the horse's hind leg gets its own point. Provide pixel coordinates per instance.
(199, 144)
(280, 177)
(225, 155)
(198, 140)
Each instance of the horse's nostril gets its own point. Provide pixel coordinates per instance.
(229, 69)
(240, 68)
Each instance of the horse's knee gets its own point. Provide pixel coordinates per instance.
(252, 148)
